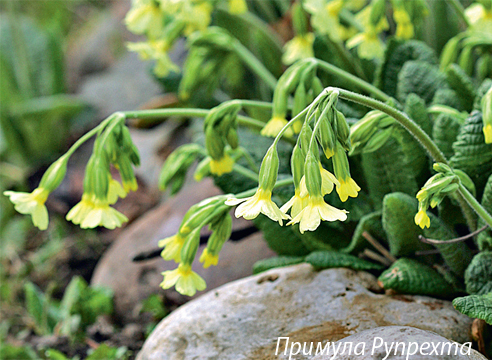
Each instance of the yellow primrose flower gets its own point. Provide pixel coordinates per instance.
(274, 125)
(325, 16)
(187, 281)
(115, 191)
(197, 17)
(145, 18)
(91, 212)
(404, 26)
(487, 131)
(172, 247)
(316, 210)
(33, 204)
(260, 202)
(422, 219)
(208, 259)
(479, 17)
(368, 44)
(237, 7)
(300, 47)
(348, 187)
(221, 166)
(296, 203)
(155, 50)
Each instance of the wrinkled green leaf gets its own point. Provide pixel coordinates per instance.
(462, 84)
(420, 78)
(475, 306)
(275, 262)
(484, 239)
(445, 131)
(333, 259)
(478, 275)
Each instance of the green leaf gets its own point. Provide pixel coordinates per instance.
(387, 170)
(409, 276)
(420, 78)
(155, 305)
(462, 84)
(108, 353)
(482, 90)
(478, 276)
(10, 352)
(399, 211)
(35, 305)
(484, 239)
(471, 154)
(397, 53)
(372, 223)
(448, 97)
(276, 262)
(445, 131)
(333, 259)
(456, 255)
(475, 306)
(53, 354)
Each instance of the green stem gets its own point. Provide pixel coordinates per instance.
(290, 123)
(354, 80)
(475, 205)
(460, 11)
(246, 172)
(251, 192)
(255, 65)
(249, 159)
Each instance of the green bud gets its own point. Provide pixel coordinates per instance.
(203, 169)
(451, 188)
(375, 142)
(233, 138)
(127, 174)
(222, 230)
(378, 10)
(190, 247)
(297, 161)
(466, 181)
(55, 174)
(177, 164)
(312, 175)
(442, 168)
(343, 130)
(214, 143)
(450, 52)
(305, 137)
(201, 214)
(213, 36)
(465, 60)
(299, 19)
(100, 175)
(269, 169)
(299, 99)
(326, 138)
(340, 163)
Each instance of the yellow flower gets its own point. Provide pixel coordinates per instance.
(315, 211)
(480, 18)
(145, 18)
(115, 191)
(348, 187)
(296, 204)
(78, 213)
(422, 219)
(325, 17)
(155, 50)
(172, 247)
(328, 180)
(369, 46)
(487, 131)
(404, 26)
(238, 6)
(91, 212)
(274, 125)
(33, 204)
(208, 259)
(260, 202)
(300, 47)
(221, 166)
(187, 281)
(196, 17)
(130, 185)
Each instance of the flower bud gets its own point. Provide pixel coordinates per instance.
(378, 10)
(343, 130)
(190, 247)
(233, 138)
(202, 169)
(177, 164)
(269, 169)
(326, 138)
(222, 230)
(99, 174)
(297, 161)
(299, 18)
(312, 175)
(55, 174)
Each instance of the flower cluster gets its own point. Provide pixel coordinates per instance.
(183, 246)
(371, 132)
(164, 21)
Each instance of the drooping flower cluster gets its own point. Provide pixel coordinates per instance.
(183, 246)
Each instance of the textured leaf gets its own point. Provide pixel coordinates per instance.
(387, 170)
(471, 153)
(275, 262)
(484, 239)
(478, 276)
(372, 223)
(420, 78)
(448, 97)
(475, 306)
(333, 259)
(35, 303)
(412, 277)
(445, 131)
(462, 84)
(482, 90)
(457, 255)
(397, 53)
(398, 222)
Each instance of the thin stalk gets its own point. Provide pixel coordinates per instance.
(251, 192)
(249, 159)
(255, 65)
(460, 11)
(246, 172)
(354, 80)
(475, 205)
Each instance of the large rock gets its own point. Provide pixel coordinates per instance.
(133, 282)
(379, 342)
(244, 319)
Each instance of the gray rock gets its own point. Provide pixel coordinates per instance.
(379, 342)
(133, 282)
(243, 320)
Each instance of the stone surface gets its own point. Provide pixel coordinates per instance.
(133, 282)
(401, 334)
(243, 319)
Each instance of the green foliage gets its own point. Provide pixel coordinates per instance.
(420, 78)
(475, 306)
(471, 153)
(462, 84)
(399, 210)
(448, 97)
(333, 259)
(457, 256)
(444, 132)
(276, 262)
(109, 353)
(155, 306)
(396, 55)
(372, 224)
(10, 352)
(478, 276)
(412, 277)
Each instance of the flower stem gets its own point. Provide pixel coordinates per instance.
(361, 84)
(246, 172)
(251, 192)
(475, 205)
(255, 65)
